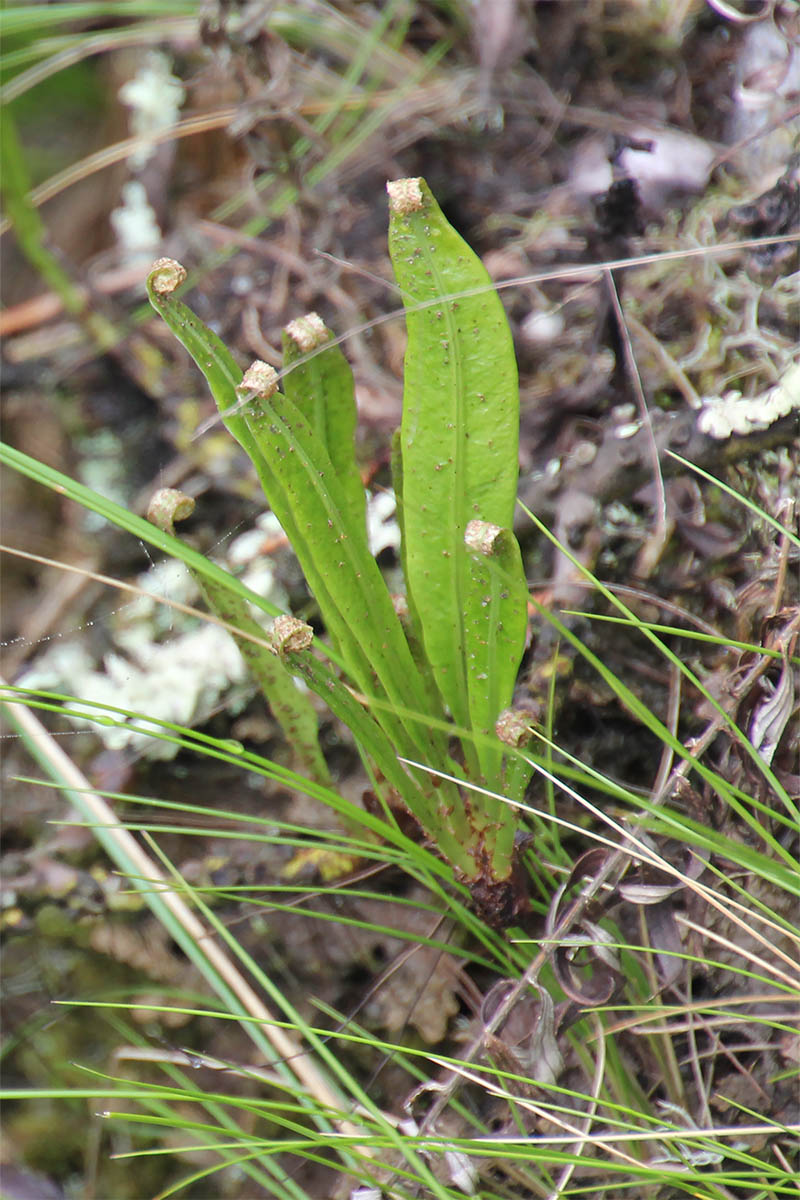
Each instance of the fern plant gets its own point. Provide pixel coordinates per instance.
(426, 678)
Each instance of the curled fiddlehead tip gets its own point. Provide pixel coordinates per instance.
(166, 274)
(169, 505)
(405, 196)
(290, 634)
(480, 537)
(308, 332)
(513, 727)
(260, 379)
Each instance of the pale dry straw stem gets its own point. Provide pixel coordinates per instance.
(651, 551)
(287, 1049)
(729, 908)
(696, 746)
(573, 914)
(121, 151)
(778, 122)
(677, 377)
(597, 1085)
(188, 127)
(666, 1011)
(787, 517)
(164, 30)
(362, 272)
(605, 1141)
(619, 857)
(712, 935)
(572, 1134)
(672, 717)
(41, 622)
(693, 1054)
(635, 848)
(784, 1162)
(719, 1047)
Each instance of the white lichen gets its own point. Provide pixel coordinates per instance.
(540, 328)
(179, 681)
(135, 225)
(382, 528)
(154, 96)
(165, 665)
(732, 413)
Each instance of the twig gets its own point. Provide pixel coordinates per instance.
(651, 551)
